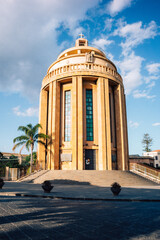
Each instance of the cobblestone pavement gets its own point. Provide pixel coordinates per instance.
(39, 218)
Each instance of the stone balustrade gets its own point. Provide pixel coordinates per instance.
(153, 174)
(82, 67)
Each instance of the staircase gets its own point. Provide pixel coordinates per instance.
(93, 177)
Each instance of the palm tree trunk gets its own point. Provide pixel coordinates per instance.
(31, 162)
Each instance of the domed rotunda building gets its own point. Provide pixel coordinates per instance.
(83, 110)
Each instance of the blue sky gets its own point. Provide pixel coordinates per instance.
(34, 32)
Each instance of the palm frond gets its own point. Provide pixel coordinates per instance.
(30, 133)
(18, 144)
(22, 148)
(28, 144)
(23, 129)
(42, 143)
(30, 126)
(41, 135)
(35, 129)
(20, 138)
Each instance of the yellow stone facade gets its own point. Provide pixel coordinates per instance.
(83, 110)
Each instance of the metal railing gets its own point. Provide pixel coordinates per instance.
(146, 171)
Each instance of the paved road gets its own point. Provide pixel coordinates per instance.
(38, 218)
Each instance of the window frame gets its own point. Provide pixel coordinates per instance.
(67, 117)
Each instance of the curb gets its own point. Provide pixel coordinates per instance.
(82, 198)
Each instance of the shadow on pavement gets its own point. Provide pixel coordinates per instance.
(24, 218)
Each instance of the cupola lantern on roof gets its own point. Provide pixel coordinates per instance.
(83, 110)
(81, 41)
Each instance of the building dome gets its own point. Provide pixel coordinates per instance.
(82, 109)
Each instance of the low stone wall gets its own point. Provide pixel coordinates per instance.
(12, 174)
(148, 170)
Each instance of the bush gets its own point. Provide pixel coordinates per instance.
(9, 163)
(25, 165)
(28, 158)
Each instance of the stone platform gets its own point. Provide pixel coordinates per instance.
(82, 192)
(87, 177)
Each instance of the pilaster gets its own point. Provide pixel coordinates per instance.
(119, 128)
(126, 151)
(74, 124)
(101, 124)
(43, 122)
(80, 122)
(55, 126)
(122, 126)
(108, 128)
(50, 108)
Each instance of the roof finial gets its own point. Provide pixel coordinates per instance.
(81, 35)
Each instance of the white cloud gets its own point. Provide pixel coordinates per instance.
(142, 94)
(109, 23)
(110, 57)
(131, 65)
(156, 124)
(130, 68)
(116, 6)
(153, 68)
(102, 42)
(30, 112)
(133, 124)
(148, 79)
(28, 43)
(151, 85)
(135, 33)
(78, 31)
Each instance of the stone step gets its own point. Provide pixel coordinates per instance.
(100, 178)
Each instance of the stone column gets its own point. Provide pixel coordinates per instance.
(102, 156)
(43, 122)
(74, 142)
(80, 122)
(108, 128)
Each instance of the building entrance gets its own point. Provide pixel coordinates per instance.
(90, 159)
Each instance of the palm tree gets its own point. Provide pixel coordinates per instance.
(29, 138)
